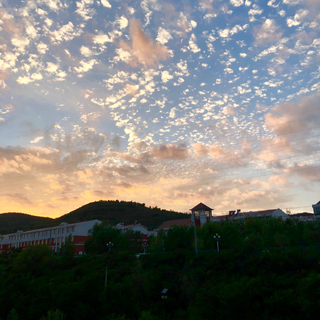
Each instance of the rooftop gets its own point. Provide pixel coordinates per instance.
(171, 223)
(201, 206)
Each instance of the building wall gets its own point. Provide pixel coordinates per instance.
(316, 211)
(279, 213)
(53, 237)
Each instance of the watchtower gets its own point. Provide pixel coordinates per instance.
(201, 214)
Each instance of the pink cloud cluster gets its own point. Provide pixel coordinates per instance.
(144, 51)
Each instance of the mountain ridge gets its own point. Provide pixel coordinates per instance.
(110, 211)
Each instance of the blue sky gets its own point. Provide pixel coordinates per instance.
(166, 103)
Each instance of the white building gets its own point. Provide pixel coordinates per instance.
(316, 211)
(54, 237)
(134, 227)
(266, 214)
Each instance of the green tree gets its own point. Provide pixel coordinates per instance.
(13, 315)
(35, 260)
(54, 315)
(101, 235)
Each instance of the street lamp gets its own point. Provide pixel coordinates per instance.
(109, 245)
(164, 294)
(217, 238)
(145, 246)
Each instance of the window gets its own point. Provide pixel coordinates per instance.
(73, 228)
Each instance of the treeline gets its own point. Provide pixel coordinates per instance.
(266, 269)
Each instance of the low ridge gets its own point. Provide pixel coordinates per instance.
(109, 211)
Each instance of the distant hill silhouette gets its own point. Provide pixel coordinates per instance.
(112, 212)
(13, 221)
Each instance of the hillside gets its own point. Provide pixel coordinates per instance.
(112, 212)
(13, 221)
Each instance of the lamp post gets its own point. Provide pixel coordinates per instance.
(164, 294)
(217, 238)
(145, 246)
(109, 245)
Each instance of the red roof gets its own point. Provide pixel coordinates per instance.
(171, 223)
(134, 225)
(201, 206)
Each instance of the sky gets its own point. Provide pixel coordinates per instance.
(167, 103)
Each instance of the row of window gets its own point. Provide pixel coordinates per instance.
(42, 233)
(35, 242)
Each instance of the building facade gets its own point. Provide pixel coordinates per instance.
(54, 237)
(201, 214)
(316, 211)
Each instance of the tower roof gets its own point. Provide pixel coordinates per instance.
(201, 206)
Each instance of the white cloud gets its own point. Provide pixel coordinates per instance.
(298, 17)
(123, 22)
(242, 54)
(105, 3)
(51, 67)
(36, 76)
(54, 5)
(42, 48)
(192, 44)
(235, 29)
(237, 3)
(84, 9)
(101, 39)
(172, 113)
(31, 31)
(85, 66)
(65, 33)
(20, 43)
(291, 2)
(24, 80)
(224, 33)
(163, 36)
(165, 76)
(36, 140)
(85, 51)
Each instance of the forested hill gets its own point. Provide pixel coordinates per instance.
(13, 221)
(112, 212)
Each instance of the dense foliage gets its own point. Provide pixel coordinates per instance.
(266, 269)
